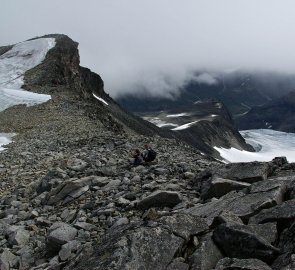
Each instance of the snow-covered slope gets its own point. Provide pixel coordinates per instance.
(13, 65)
(268, 144)
(5, 138)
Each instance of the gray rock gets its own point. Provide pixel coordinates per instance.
(227, 217)
(230, 237)
(160, 198)
(178, 264)
(249, 172)
(161, 171)
(218, 187)
(282, 212)
(61, 233)
(241, 204)
(85, 226)
(241, 264)
(184, 225)
(287, 246)
(206, 255)
(137, 248)
(76, 164)
(120, 222)
(8, 260)
(113, 184)
(268, 231)
(67, 250)
(71, 188)
(17, 235)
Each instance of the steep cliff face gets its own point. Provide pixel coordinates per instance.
(277, 114)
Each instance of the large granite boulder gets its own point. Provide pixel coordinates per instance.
(218, 187)
(134, 247)
(69, 190)
(160, 198)
(263, 194)
(245, 171)
(281, 213)
(238, 241)
(59, 234)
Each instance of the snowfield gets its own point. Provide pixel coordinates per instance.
(268, 144)
(5, 138)
(13, 65)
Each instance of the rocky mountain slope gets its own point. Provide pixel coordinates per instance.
(70, 200)
(238, 90)
(203, 124)
(277, 114)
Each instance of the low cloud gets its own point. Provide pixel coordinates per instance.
(154, 47)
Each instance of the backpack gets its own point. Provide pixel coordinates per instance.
(151, 155)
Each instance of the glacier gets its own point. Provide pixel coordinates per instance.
(267, 144)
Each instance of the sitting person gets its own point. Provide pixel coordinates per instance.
(137, 158)
(148, 153)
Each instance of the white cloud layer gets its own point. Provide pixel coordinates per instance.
(155, 45)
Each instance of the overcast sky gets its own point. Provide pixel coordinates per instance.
(159, 43)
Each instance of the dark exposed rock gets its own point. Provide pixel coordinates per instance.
(239, 241)
(60, 234)
(281, 213)
(287, 244)
(241, 264)
(160, 199)
(184, 225)
(249, 172)
(206, 255)
(218, 187)
(142, 248)
(177, 264)
(242, 205)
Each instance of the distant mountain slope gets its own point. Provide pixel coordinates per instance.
(278, 114)
(239, 91)
(204, 124)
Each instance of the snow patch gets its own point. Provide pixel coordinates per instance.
(13, 65)
(185, 126)
(100, 99)
(5, 138)
(158, 122)
(268, 144)
(177, 115)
